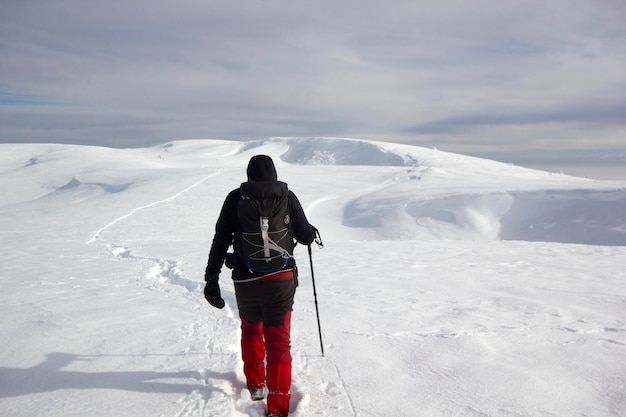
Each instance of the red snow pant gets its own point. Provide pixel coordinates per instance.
(258, 343)
(265, 312)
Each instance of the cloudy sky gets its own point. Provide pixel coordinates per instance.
(519, 81)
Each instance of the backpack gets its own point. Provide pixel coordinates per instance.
(266, 235)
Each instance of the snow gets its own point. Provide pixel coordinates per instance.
(448, 285)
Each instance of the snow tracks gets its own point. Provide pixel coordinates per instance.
(207, 339)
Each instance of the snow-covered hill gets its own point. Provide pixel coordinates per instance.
(448, 285)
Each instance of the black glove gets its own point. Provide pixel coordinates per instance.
(212, 294)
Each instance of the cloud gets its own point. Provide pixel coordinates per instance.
(470, 75)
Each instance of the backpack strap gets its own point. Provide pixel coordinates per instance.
(268, 243)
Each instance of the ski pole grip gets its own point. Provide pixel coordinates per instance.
(318, 237)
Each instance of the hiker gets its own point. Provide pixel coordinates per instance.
(264, 297)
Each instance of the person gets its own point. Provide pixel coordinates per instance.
(264, 300)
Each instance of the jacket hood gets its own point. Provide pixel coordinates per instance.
(261, 168)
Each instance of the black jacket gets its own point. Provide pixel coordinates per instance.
(227, 229)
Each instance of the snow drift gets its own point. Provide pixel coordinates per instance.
(400, 208)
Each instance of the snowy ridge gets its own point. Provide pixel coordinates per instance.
(445, 286)
(400, 208)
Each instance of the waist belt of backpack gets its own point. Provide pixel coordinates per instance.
(270, 277)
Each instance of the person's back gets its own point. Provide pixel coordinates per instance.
(264, 297)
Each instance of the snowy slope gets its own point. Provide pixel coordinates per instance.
(448, 285)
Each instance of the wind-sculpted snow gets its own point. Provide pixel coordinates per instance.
(327, 151)
(76, 184)
(565, 216)
(322, 151)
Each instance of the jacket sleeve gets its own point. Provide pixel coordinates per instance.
(302, 230)
(224, 234)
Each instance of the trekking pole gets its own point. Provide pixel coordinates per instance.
(318, 240)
